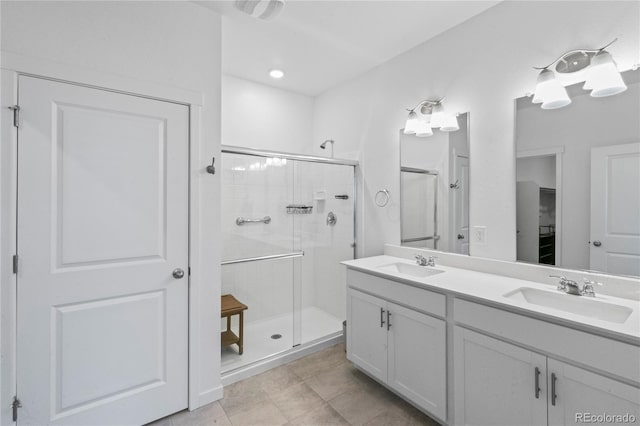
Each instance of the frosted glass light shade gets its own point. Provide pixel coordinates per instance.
(549, 92)
(423, 129)
(437, 116)
(603, 77)
(411, 125)
(449, 123)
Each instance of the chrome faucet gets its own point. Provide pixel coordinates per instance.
(571, 287)
(423, 261)
(587, 288)
(567, 285)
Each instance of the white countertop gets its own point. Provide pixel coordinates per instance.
(490, 289)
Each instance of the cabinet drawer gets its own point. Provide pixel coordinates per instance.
(404, 294)
(608, 355)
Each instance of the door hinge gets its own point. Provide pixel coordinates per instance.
(14, 406)
(16, 115)
(15, 263)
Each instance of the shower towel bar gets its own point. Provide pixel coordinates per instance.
(241, 220)
(270, 257)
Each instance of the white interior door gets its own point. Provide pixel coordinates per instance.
(461, 206)
(102, 223)
(615, 203)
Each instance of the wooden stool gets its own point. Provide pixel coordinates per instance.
(230, 307)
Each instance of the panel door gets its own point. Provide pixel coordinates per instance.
(102, 223)
(495, 382)
(417, 359)
(615, 203)
(461, 206)
(581, 394)
(367, 333)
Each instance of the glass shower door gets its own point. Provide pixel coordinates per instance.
(258, 254)
(325, 232)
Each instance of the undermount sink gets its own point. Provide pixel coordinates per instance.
(410, 269)
(579, 305)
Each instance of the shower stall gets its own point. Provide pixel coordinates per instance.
(287, 222)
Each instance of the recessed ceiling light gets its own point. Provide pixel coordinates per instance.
(277, 74)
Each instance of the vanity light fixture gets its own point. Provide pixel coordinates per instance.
(602, 76)
(429, 115)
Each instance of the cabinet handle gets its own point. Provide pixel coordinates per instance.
(553, 389)
(381, 317)
(388, 320)
(537, 391)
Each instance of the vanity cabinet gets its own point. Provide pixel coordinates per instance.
(401, 347)
(497, 383)
(579, 392)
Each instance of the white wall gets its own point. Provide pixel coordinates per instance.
(481, 66)
(541, 170)
(258, 116)
(175, 44)
(586, 123)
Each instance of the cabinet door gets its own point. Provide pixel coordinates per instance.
(581, 394)
(495, 382)
(367, 333)
(417, 358)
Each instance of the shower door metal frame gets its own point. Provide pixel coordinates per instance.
(435, 236)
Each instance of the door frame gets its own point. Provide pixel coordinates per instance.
(556, 152)
(200, 184)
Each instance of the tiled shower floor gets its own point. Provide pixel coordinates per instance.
(258, 343)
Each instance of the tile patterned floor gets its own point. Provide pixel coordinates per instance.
(320, 389)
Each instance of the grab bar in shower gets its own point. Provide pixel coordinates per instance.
(270, 257)
(241, 220)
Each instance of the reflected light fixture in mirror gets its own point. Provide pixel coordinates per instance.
(429, 115)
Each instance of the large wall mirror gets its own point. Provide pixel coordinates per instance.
(578, 181)
(434, 189)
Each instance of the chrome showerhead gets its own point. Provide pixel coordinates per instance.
(324, 144)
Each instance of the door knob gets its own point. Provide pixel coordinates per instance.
(178, 273)
(597, 243)
(460, 237)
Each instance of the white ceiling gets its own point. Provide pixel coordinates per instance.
(320, 44)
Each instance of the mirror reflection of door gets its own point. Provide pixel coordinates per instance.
(615, 209)
(460, 210)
